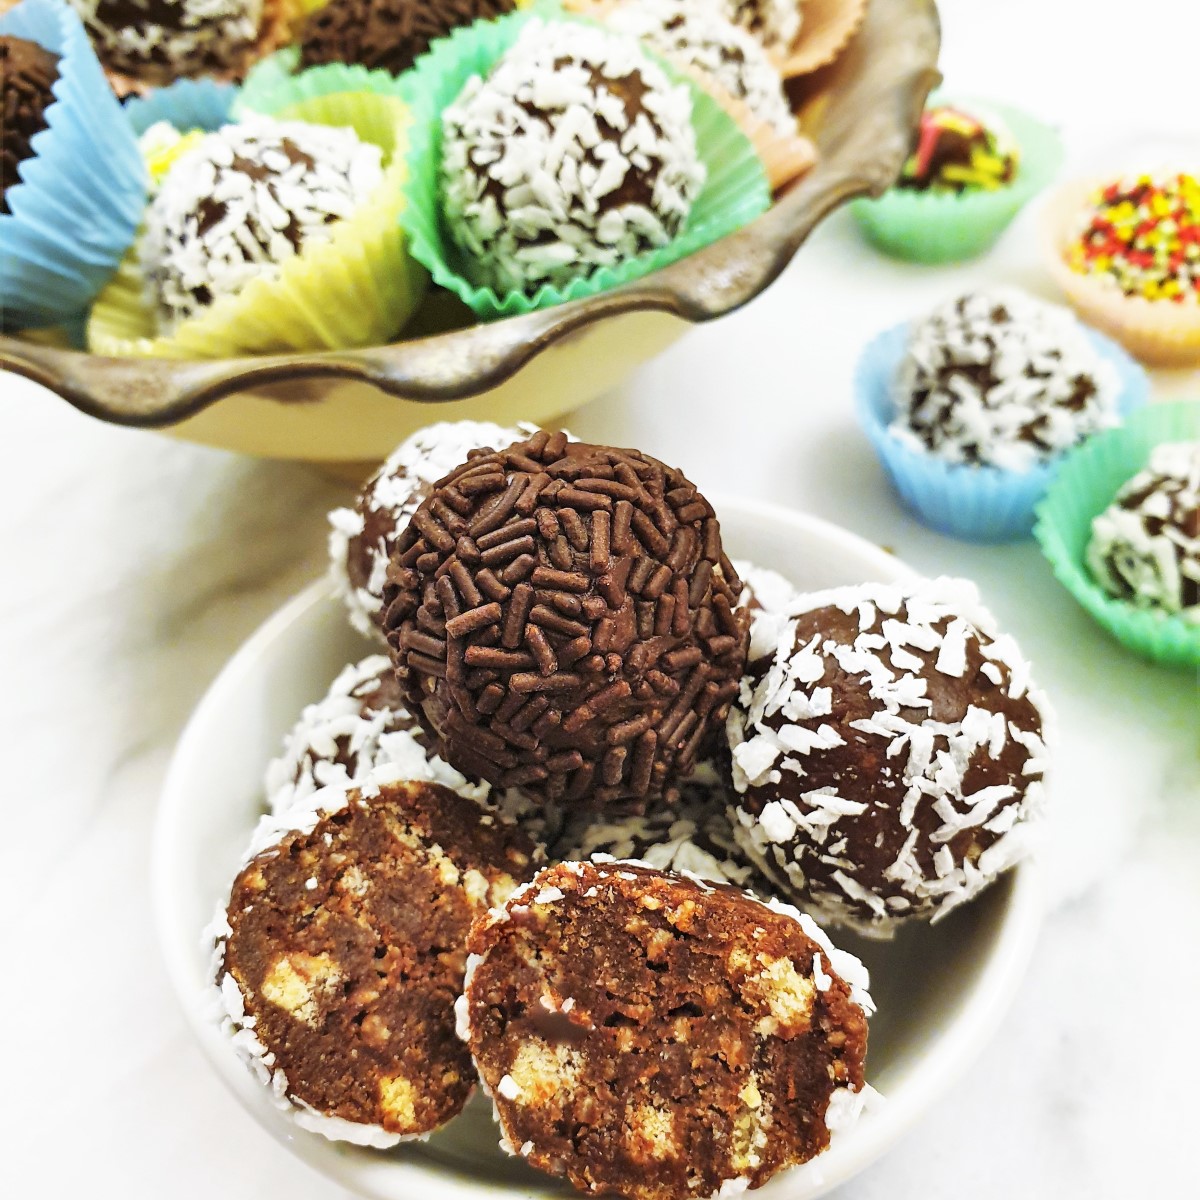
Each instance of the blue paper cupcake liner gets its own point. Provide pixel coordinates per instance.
(187, 104)
(82, 191)
(975, 503)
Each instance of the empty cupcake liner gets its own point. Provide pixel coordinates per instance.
(1158, 332)
(187, 104)
(82, 193)
(358, 288)
(1086, 485)
(945, 227)
(975, 503)
(735, 190)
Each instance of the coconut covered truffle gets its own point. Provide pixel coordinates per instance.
(1145, 547)
(343, 948)
(359, 727)
(158, 41)
(387, 35)
(653, 1037)
(575, 153)
(889, 763)
(692, 835)
(27, 77)
(703, 38)
(362, 538)
(775, 23)
(243, 202)
(562, 617)
(997, 378)
(957, 152)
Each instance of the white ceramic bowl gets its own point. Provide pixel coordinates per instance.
(940, 991)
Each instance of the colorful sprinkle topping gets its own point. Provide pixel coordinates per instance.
(956, 152)
(1143, 233)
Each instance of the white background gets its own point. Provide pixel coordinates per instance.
(133, 566)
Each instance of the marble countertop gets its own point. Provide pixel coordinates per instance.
(135, 565)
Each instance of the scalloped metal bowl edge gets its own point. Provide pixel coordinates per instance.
(873, 96)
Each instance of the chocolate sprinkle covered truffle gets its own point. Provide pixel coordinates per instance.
(562, 617)
(358, 728)
(1000, 379)
(387, 35)
(362, 538)
(654, 1037)
(890, 761)
(957, 152)
(27, 77)
(575, 153)
(244, 201)
(159, 41)
(701, 37)
(343, 949)
(1145, 547)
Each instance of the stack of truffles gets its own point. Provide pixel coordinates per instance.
(566, 839)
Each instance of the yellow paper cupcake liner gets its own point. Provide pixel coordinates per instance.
(357, 288)
(1158, 332)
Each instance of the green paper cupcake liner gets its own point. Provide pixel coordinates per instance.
(936, 227)
(274, 83)
(735, 190)
(357, 288)
(1086, 485)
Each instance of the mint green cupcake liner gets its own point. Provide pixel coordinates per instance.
(275, 83)
(936, 227)
(1086, 485)
(735, 190)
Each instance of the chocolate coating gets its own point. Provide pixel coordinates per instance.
(387, 35)
(562, 617)
(27, 76)
(346, 943)
(648, 1036)
(889, 761)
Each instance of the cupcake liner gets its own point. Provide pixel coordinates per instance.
(937, 227)
(735, 191)
(1086, 485)
(82, 192)
(825, 31)
(187, 104)
(1158, 332)
(275, 82)
(975, 503)
(358, 288)
(281, 22)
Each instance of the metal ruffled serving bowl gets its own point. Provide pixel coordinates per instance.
(353, 406)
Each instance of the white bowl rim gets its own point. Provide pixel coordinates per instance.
(879, 1130)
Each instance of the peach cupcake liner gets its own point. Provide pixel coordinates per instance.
(826, 28)
(1159, 333)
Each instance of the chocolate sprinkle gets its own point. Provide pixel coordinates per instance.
(524, 694)
(27, 77)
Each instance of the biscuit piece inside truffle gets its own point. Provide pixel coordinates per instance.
(654, 1037)
(563, 619)
(344, 951)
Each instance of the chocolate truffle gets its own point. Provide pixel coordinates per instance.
(387, 35)
(1145, 547)
(562, 619)
(997, 378)
(360, 726)
(27, 77)
(243, 202)
(775, 23)
(158, 41)
(693, 835)
(890, 761)
(705, 40)
(362, 538)
(654, 1037)
(343, 948)
(957, 152)
(575, 153)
